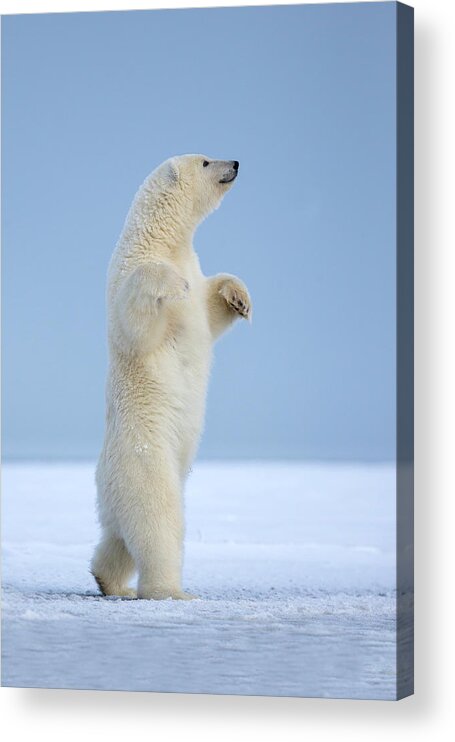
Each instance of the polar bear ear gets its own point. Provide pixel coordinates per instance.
(171, 172)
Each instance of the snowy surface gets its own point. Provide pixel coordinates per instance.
(294, 565)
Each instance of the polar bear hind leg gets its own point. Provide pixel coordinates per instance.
(112, 566)
(153, 531)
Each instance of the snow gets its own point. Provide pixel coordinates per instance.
(294, 566)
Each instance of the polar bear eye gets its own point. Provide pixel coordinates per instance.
(205, 163)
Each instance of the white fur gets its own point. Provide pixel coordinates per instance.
(163, 317)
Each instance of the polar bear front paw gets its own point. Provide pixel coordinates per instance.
(170, 286)
(237, 297)
(178, 289)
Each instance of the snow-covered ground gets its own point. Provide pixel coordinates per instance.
(294, 565)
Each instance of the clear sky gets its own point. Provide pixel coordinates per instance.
(304, 98)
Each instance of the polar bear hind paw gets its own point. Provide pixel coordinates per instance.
(167, 595)
(120, 592)
(184, 596)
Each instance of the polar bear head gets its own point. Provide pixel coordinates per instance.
(199, 181)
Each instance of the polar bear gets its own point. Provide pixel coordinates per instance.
(163, 318)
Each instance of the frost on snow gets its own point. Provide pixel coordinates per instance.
(294, 565)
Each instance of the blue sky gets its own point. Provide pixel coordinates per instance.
(304, 98)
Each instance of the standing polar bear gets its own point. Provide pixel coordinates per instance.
(163, 317)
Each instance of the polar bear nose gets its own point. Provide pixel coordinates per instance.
(235, 165)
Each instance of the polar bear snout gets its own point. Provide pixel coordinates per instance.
(231, 172)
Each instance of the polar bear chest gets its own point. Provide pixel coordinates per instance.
(188, 347)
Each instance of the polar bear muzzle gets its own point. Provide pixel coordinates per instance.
(231, 172)
(225, 171)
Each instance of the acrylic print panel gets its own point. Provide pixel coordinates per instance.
(298, 505)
